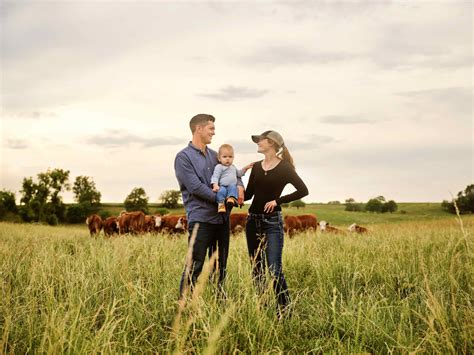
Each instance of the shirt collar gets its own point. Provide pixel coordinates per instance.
(202, 151)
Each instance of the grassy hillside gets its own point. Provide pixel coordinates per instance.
(336, 215)
(402, 288)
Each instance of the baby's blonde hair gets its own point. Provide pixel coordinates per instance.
(225, 147)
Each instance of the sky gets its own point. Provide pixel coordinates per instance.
(372, 97)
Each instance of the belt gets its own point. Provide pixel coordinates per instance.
(263, 215)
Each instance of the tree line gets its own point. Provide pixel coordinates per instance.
(41, 199)
(464, 201)
(378, 205)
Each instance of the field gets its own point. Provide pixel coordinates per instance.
(407, 286)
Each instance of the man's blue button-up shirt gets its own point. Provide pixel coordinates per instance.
(194, 169)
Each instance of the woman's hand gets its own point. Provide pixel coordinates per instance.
(269, 206)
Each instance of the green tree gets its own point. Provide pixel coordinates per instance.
(389, 206)
(41, 199)
(464, 201)
(170, 198)
(374, 205)
(85, 190)
(354, 207)
(78, 212)
(448, 206)
(297, 204)
(137, 200)
(334, 203)
(7, 202)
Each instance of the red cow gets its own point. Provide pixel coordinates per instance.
(94, 222)
(238, 222)
(131, 222)
(292, 225)
(308, 221)
(110, 226)
(325, 227)
(149, 224)
(358, 229)
(173, 224)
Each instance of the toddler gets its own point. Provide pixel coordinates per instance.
(224, 179)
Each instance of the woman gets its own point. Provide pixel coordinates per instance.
(264, 230)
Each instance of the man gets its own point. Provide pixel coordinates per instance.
(194, 166)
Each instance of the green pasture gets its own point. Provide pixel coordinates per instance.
(336, 215)
(403, 288)
(406, 212)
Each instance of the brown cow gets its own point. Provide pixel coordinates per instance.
(94, 222)
(152, 223)
(292, 225)
(358, 229)
(110, 226)
(173, 224)
(149, 224)
(308, 221)
(326, 228)
(238, 222)
(131, 222)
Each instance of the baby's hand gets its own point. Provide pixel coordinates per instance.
(249, 166)
(215, 187)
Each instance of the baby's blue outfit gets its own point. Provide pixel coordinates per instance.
(226, 178)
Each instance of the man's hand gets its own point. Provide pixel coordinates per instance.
(240, 200)
(215, 187)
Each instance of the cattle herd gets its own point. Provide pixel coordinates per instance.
(137, 222)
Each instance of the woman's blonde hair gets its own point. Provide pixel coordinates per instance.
(282, 152)
(285, 155)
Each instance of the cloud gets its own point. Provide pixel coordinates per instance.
(460, 93)
(34, 115)
(336, 119)
(303, 143)
(16, 144)
(285, 55)
(431, 35)
(115, 139)
(308, 142)
(456, 102)
(310, 9)
(233, 93)
(425, 159)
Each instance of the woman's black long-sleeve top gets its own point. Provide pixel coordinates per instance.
(265, 186)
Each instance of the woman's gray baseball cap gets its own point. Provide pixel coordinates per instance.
(273, 135)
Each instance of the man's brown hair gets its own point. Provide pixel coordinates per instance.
(200, 120)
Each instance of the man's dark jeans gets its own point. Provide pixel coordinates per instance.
(207, 236)
(264, 234)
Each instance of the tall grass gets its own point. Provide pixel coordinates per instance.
(402, 288)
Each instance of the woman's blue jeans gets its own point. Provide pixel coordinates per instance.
(264, 234)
